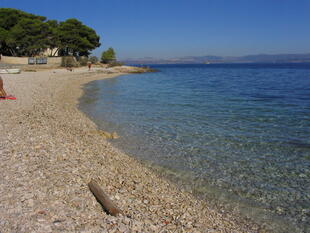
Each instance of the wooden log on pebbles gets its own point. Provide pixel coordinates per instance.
(103, 199)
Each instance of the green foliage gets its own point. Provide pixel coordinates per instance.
(115, 63)
(28, 37)
(10, 17)
(69, 61)
(93, 59)
(3, 37)
(83, 60)
(108, 56)
(24, 34)
(53, 41)
(76, 39)
(18, 31)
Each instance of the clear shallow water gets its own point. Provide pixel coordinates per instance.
(236, 134)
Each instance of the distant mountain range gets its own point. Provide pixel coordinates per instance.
(260, 58)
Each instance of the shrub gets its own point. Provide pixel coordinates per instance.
(108, 56)
(83, 60)
(93, 59)
(69, 61)
(115, 63)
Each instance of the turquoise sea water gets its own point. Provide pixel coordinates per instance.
(236, 134)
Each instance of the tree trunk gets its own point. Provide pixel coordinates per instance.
(12, 52)
(55, 52)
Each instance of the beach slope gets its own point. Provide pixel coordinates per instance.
(49, 151)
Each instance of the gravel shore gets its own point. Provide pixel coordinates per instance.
(49, 151)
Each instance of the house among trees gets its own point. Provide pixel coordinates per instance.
(27, 35)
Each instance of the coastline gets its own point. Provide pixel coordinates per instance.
(49, 153)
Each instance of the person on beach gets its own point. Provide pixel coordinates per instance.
(89, 65)
(2, 91)
(3, 94)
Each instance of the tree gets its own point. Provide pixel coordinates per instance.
(24, 34)
(76, 39)
(28, 37)
(14, 24)
(108, 56)
(53, 41)
(9, 17)
(3, 37)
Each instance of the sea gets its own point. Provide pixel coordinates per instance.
(237, 135)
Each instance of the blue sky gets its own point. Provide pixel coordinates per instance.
(175, 28)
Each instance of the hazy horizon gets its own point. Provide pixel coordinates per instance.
(243, 55)
(178, 28)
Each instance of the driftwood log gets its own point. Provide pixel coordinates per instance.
(103, 199)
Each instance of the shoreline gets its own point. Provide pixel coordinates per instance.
(216, 197)
(49, 153)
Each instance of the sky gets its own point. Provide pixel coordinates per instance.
(177, 28)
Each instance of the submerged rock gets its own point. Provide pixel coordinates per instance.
(106, 135)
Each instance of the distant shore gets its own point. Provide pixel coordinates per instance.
(50, 151)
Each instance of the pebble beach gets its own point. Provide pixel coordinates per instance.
(50, 151)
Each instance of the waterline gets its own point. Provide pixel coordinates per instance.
(243, 130)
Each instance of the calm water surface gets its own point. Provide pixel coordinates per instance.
(238, 135)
